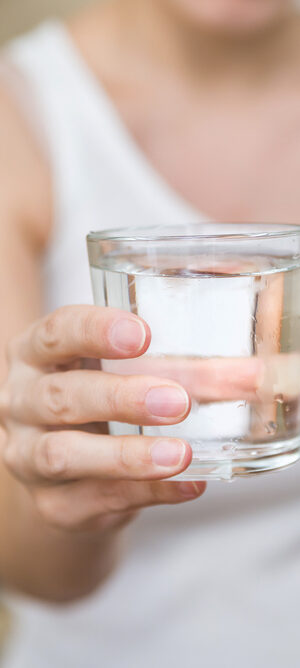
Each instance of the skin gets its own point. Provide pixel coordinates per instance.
(67, 487)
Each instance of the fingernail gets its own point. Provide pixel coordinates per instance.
(127, 335)
(190, 489)
(168, 452)
(167, 401)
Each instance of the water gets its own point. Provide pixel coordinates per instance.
(231, 337)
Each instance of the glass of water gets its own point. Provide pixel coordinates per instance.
(223, 305)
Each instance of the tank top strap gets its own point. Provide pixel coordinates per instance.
(75, 108)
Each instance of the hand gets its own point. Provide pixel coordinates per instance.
(81, 480)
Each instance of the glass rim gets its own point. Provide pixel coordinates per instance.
(135, 234)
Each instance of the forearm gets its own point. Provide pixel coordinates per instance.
(44, 562)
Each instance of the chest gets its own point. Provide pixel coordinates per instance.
(232, 162)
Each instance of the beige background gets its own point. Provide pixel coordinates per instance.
(19, 15)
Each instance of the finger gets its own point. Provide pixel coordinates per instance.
(80, 505)
(269, 311)
(76, 397)
(206, 380)
(70, 455)
(281, 378)
(83, 331)
(223, 379)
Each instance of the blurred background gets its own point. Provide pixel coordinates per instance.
(19, 15)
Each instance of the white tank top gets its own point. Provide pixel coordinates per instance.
(211, 583)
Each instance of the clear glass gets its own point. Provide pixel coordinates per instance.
(223, 305)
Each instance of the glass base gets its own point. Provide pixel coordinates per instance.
(244, 461)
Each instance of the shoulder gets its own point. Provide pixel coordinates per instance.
(97, 32)
(24, 173)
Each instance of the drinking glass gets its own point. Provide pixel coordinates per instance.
(223, 305)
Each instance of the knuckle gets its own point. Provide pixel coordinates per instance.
(9, 456)
(89, 329)
(47, 506)
(116, 504)
(128, 498)
(56, 400)
(111, 499)
(133, 458)
(50, 330)
(124, 456)
(118, 397)
(52, 457)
